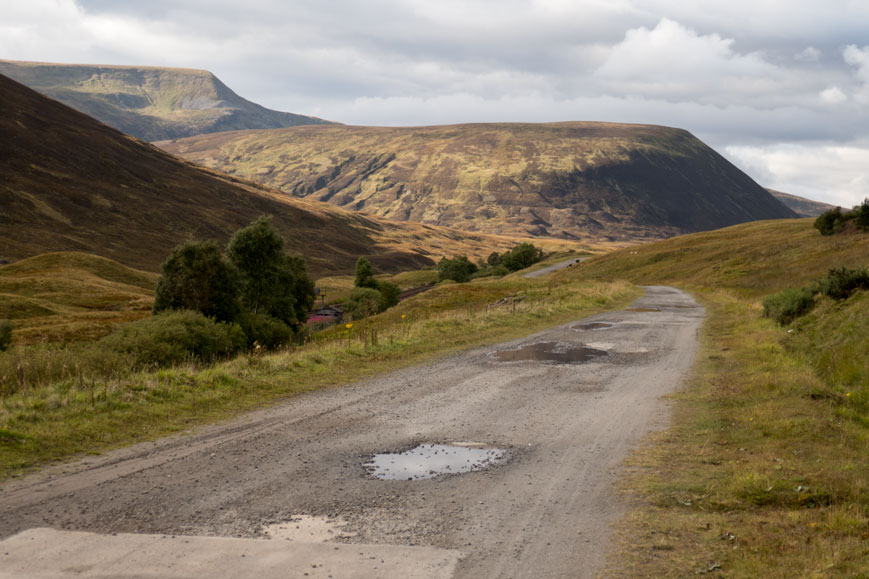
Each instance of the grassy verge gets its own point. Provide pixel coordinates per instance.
(59, 418)
(766, 471)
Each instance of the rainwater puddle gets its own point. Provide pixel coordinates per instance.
(593, 326)
(430, 460)
(550, 352)
(642, 310)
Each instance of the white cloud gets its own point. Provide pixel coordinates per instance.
(833, 96)
(809, 54)
(836, 174)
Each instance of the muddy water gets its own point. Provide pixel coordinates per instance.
(550, 352)
(430, 460)
(593, 326)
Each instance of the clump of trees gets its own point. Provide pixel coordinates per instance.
(460, 269)
(835, 220)
(253, 286)
(370, 295)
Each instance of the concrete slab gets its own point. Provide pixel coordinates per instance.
(53, 554)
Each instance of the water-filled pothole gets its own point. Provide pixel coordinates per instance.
(550, 352)
(593, 326)
(642, 309)
(430, 460)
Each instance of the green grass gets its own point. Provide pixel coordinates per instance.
(765, 471)
(60, 416)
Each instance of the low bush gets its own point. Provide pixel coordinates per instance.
(390, 294)
(841, 282)
(268, 332)
(789, 304)
(491, 271)
(174, 337)
(363, 302)
(5, 334)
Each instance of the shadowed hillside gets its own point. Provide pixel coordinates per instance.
(73, 184)
(800, 205)
(150, 103)
(570, 180)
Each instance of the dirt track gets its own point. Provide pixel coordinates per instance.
(544, 512)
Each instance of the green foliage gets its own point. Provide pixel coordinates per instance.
(841, 282)
(830, 222)
(364, 274)
(197, 277)
(390, 293)
(174, 337)
(5, 334)
(271, 282)
(458, 269)
(788, 304)
(363, 302)
(862, 215)
(268, 332)
(522, 256)
(493, 259)
(489, 271)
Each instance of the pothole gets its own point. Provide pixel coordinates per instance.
(642, 309)
(593, 326)
(308, 529)
(550, 352)
(430, 460)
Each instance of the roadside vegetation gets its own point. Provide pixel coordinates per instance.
(58, 400)
(765, 471)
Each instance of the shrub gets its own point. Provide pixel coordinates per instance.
(5, 334)
(390, 293)
(862, 215)
(458, 269)
(830, 222)
(839, 283)
(789, 304)
(174, 337)
(522, 256)
(496, 271)
(269, 332)
(197, 277)
(363, 302)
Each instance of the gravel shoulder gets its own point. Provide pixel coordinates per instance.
(543, 512)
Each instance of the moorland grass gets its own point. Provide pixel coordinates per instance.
(765, 469)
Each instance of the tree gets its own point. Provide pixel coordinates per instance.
(390, 292)
(862, 219)
(830, 221)
(363, 302)
(458, 269)
(272, 283)
(522, 256)
(493, 259)
(364, 274)
(197, 277)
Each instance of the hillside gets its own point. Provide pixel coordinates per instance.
(568, 180)
(150, 103)
(73, 184)
(800, 205)
(72, 296)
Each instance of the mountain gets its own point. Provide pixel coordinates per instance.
(150, 103)
(571, 180)
(800, 205)
(71, 183)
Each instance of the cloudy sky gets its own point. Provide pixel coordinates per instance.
(780, 87)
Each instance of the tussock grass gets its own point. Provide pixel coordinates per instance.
(64, 409)
(765, 471)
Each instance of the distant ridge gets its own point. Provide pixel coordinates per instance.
(800, 205)
(574, 180)
(150, 103)
(71, 183)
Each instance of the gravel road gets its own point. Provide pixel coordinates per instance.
(542, 511)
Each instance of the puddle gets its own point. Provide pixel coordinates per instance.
(308, 529)
(642, 309)
(550, 352)
(430, 460)
(593, 326)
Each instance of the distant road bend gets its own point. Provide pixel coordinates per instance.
(202, 505)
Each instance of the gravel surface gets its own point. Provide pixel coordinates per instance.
(542, 511)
